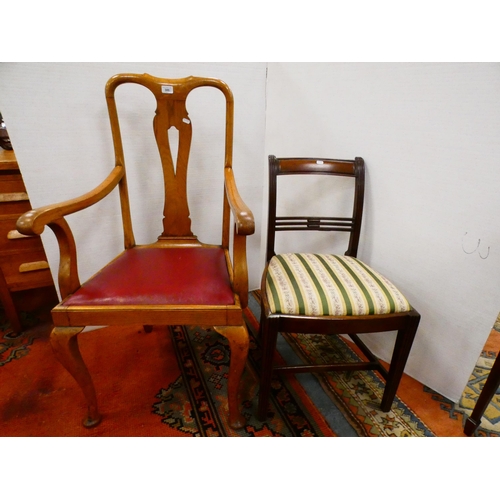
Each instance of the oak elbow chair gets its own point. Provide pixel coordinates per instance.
(175, 280)
(328, 294)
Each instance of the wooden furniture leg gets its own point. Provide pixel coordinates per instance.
(64, 342)
(269, 336)
(490, 387)
(402, 347)
(239, 343)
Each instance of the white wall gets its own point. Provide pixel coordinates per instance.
(429, 136)
(57, 119)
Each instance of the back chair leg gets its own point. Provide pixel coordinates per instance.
(268, 336)
(402, 347)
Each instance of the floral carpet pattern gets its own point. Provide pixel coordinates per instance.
(355, 396)
(16, 345)
(490, 421)
(196, 404)
(173, 382)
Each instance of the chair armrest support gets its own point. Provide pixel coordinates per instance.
(34, 221)
(244, 225)
(240, 268)
(243, 217)
(68, 279)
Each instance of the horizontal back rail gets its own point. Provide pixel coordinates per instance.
(315, 166)
(314, 223)
(290, 166)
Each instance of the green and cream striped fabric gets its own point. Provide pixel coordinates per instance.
(329, 285)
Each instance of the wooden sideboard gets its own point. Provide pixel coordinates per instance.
(25, 278)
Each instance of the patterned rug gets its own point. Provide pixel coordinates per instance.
(354, 397)
(490, 421)
(196, 404)
(16, 345)
(39, 398)
(357, 395)
(128, 366)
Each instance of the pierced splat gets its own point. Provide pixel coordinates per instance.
(172, 113)
(173, 141)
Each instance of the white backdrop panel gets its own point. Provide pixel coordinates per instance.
(57, 118)
(429, 135)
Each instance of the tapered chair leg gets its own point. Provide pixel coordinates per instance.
(402, 347)
(490, 387)
(268, 337)
(239, 343)
(64, 342)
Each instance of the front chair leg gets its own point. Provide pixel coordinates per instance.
(239, 343)
(64, 342)
(402, 347)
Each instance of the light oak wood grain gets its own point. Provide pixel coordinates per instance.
(70, 320)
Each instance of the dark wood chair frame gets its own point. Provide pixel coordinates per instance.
(405, 323)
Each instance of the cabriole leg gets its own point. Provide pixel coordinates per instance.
(239, 343)
(64, 343)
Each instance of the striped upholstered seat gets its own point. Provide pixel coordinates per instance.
(329, 285)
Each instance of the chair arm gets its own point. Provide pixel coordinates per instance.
(244, 225)
(34, 221)
(243, 217)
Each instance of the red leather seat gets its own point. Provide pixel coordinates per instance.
(159, 276)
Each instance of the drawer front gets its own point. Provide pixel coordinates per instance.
(16, 242)
(32, 259)
(18, 207)
(8, 160)
(12, 184)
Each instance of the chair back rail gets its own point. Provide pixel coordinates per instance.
(171, 111)
(302, 166)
